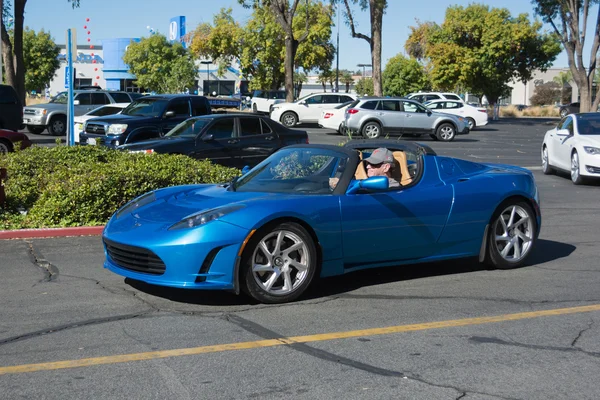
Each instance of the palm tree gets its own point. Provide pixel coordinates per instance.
(323, 78)
(563, 79)
(299, 79)
(347, 80)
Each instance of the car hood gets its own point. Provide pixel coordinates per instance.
(48, 106)
(589, 140)
(158, 143)
(124, 119)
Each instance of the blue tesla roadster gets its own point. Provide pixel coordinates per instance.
(311, 211)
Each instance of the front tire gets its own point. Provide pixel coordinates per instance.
(371, 130)
(445, 132)
(279, 263)
(576, 177)
(289, 119)
(58, 126)
(5, 147)
(546, 168)
(512, 235)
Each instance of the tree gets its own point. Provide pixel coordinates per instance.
(347, 79)
(403, 75)
(12, 52)
(325, 77)
(160, 65)
(284, 15)
(483, 49)
(40, 58)
(299, 79)
(563, 79)
(364, 87)
(376, 11)
(568, 14)
(544, 94)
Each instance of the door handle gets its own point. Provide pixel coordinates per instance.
(269, 138)
(463, 179)
(233, 141)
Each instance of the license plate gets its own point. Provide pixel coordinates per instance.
(25, 120)
(91, 141)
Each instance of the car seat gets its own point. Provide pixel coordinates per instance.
(400, 172)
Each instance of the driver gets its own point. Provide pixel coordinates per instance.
(380, 163)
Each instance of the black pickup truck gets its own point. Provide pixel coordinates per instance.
(145, 118)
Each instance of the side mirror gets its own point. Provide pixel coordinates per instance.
(562, 132)
(246, 169)
(75, 102)
(303, 102)
(208, 137)
(375, 184)
(169, 114)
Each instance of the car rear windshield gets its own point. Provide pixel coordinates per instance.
(146, 107)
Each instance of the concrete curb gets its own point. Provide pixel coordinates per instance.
(52, 232)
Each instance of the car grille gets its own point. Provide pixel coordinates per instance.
(29, 111)
(134, 258)
(97, 129)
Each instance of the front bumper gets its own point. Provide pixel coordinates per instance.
(589, 164)
(111, 141)
(35, 120)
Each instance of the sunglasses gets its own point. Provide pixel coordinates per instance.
(375, 165)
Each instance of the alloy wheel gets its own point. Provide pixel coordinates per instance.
(446, 133)
(280, 262)
(371, 131)
(575, 176)
(513, 233)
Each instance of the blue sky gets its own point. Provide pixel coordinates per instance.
(130, 18)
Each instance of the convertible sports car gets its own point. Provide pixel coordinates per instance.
(279, 226)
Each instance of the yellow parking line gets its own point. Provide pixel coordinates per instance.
(88, 362)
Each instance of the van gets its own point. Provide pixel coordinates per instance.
(11, 110)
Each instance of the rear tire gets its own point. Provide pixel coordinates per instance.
(371, 130)
(512, 234)
(472, 123)
(576, 177)
(36, 130)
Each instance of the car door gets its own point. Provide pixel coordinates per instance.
(256, 141)
(84, 103)
(218, 142)
(417, 118)
(181, 109)
(310, 111)
(396, 225)
(560, 155)
(390, 115)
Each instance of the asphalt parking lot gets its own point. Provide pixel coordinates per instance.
(71, 329)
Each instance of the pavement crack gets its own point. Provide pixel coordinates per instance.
(498, 341)
(50, 271)
(61, 328)
(574, 342)
(265, 333)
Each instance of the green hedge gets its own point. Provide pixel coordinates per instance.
(84, 185)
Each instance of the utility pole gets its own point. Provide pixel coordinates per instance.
(337, 57)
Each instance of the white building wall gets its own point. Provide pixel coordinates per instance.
(85, 68)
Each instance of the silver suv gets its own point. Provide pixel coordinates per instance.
(53, 115)
(374, 117)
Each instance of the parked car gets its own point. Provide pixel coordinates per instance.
(574, 146)
(571, 108)
(53, 115)
(374, 117)
(109, 109)
(308, 109)
(475, 116)
(145, 118)
(334, 118)
(9, 140)
(233, 140)
(277, 228)
(11, 109)
(262, 100)
(423, 97)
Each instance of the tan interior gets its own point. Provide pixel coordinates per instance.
(399, 172)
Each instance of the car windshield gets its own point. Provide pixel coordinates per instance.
(60, 98)
(188, 128)
(146, 107)
(588, 124)
(298, 170)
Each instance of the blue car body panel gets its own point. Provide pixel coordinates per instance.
(442, 215)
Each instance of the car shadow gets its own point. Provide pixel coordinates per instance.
(528, 121)
(544, 251)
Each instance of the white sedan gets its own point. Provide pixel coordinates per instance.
(573, 145)
(107, 109)
(476, 116)
(334, 118)
(308, 108)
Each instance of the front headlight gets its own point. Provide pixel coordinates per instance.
(137, 203)
(204, 217)
(117, 129)
(591, 150)
(41, 111)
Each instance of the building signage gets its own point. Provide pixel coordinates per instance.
(82, 59)
(177, 29)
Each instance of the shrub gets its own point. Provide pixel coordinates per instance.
(73, 186)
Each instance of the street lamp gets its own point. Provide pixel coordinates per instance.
(207, 63)
(363, 67)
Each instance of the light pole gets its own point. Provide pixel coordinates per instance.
(337, 57)
(207, 63)
(363, 67)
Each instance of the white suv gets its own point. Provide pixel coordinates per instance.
(262, 100)
(423, 97)
(308, 109)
